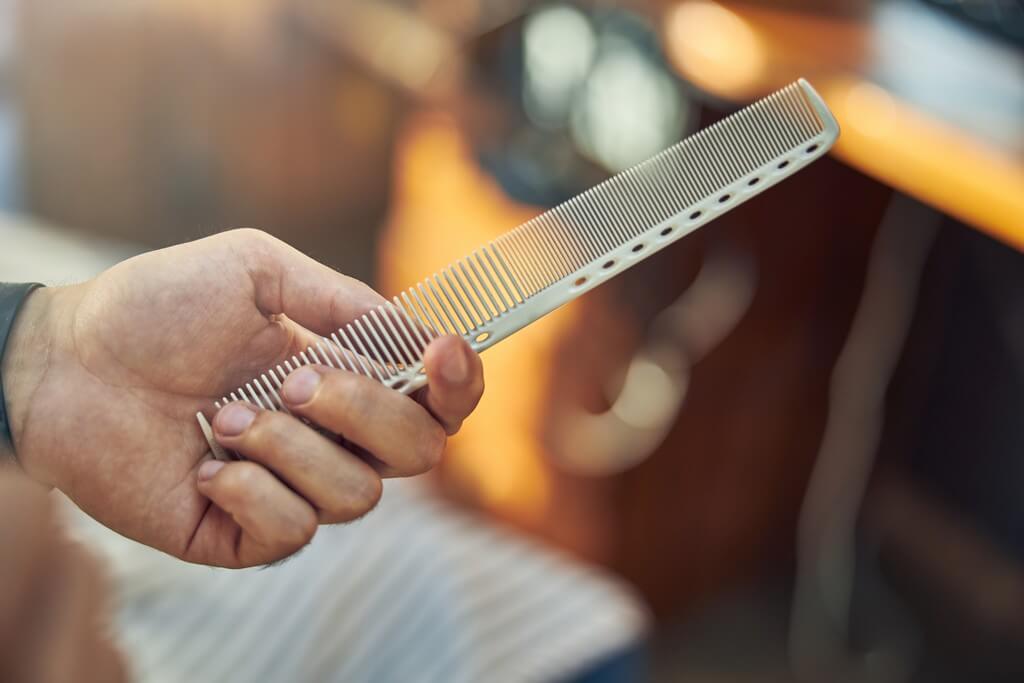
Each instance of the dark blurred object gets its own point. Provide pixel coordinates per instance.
(943, 523)
(570, 94)
(161, 122)
(824, 602)
(955, 406)
(1003, 18)
(965, 591)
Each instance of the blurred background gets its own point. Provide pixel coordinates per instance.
(796, 432)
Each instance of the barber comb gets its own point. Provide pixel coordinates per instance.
(566, 251)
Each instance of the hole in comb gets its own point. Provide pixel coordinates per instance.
(753, 181)
(638, 248)
(482, 337)
(422, 371)
(695, 215)
(580, 281)
(724, 198)
(812, 149)
(783, 164)
(608, 264)
(665, 232)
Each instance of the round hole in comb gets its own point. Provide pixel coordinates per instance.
(783, 164)
(753, 181)
(580, 281)
(665, 232)
(482, 337)
(724, 198)
(422, 371)
(812, 149)
(608, 264)
(638, 248)
(695, 215)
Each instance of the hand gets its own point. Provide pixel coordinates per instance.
(53, 601)
(103, 381)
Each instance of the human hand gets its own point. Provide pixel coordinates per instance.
(53, 601)
(103, 380)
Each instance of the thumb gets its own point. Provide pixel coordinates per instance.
(289, 282)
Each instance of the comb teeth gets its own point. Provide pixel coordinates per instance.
(684, 177)
(572, 248)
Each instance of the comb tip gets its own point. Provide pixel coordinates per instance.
(828, 119)
(216, 449)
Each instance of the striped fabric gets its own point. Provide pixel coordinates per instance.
(417, 591)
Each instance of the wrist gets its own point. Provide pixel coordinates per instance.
(25, 359)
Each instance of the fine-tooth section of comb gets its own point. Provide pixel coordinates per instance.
(566, 251)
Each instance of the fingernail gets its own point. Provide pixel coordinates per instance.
(208, 469)
(234, 418)
(455, 368)
(301, 385)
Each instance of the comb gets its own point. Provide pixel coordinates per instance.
(566, 251)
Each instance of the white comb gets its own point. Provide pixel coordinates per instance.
(562, 253)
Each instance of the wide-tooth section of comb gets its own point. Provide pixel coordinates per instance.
(542, 264)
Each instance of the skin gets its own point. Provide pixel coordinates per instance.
(103, 380)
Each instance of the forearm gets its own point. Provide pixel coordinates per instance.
(23, 316)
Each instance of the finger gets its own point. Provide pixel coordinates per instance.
(275, 521)
(341, 486)
(455, 381)
(398, 432)
(289, 282)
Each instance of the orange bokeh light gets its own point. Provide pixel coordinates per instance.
(445, 207)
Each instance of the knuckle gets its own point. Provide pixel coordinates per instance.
(295, 538)
(304, 529)
(430, 447)
(478, 386)
(250, 235)
(368, 495)
(346, 397)
(358, 496)
(236, 481)
(270, 430)
(245, 476)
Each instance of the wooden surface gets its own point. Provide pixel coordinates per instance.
(928, 106)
